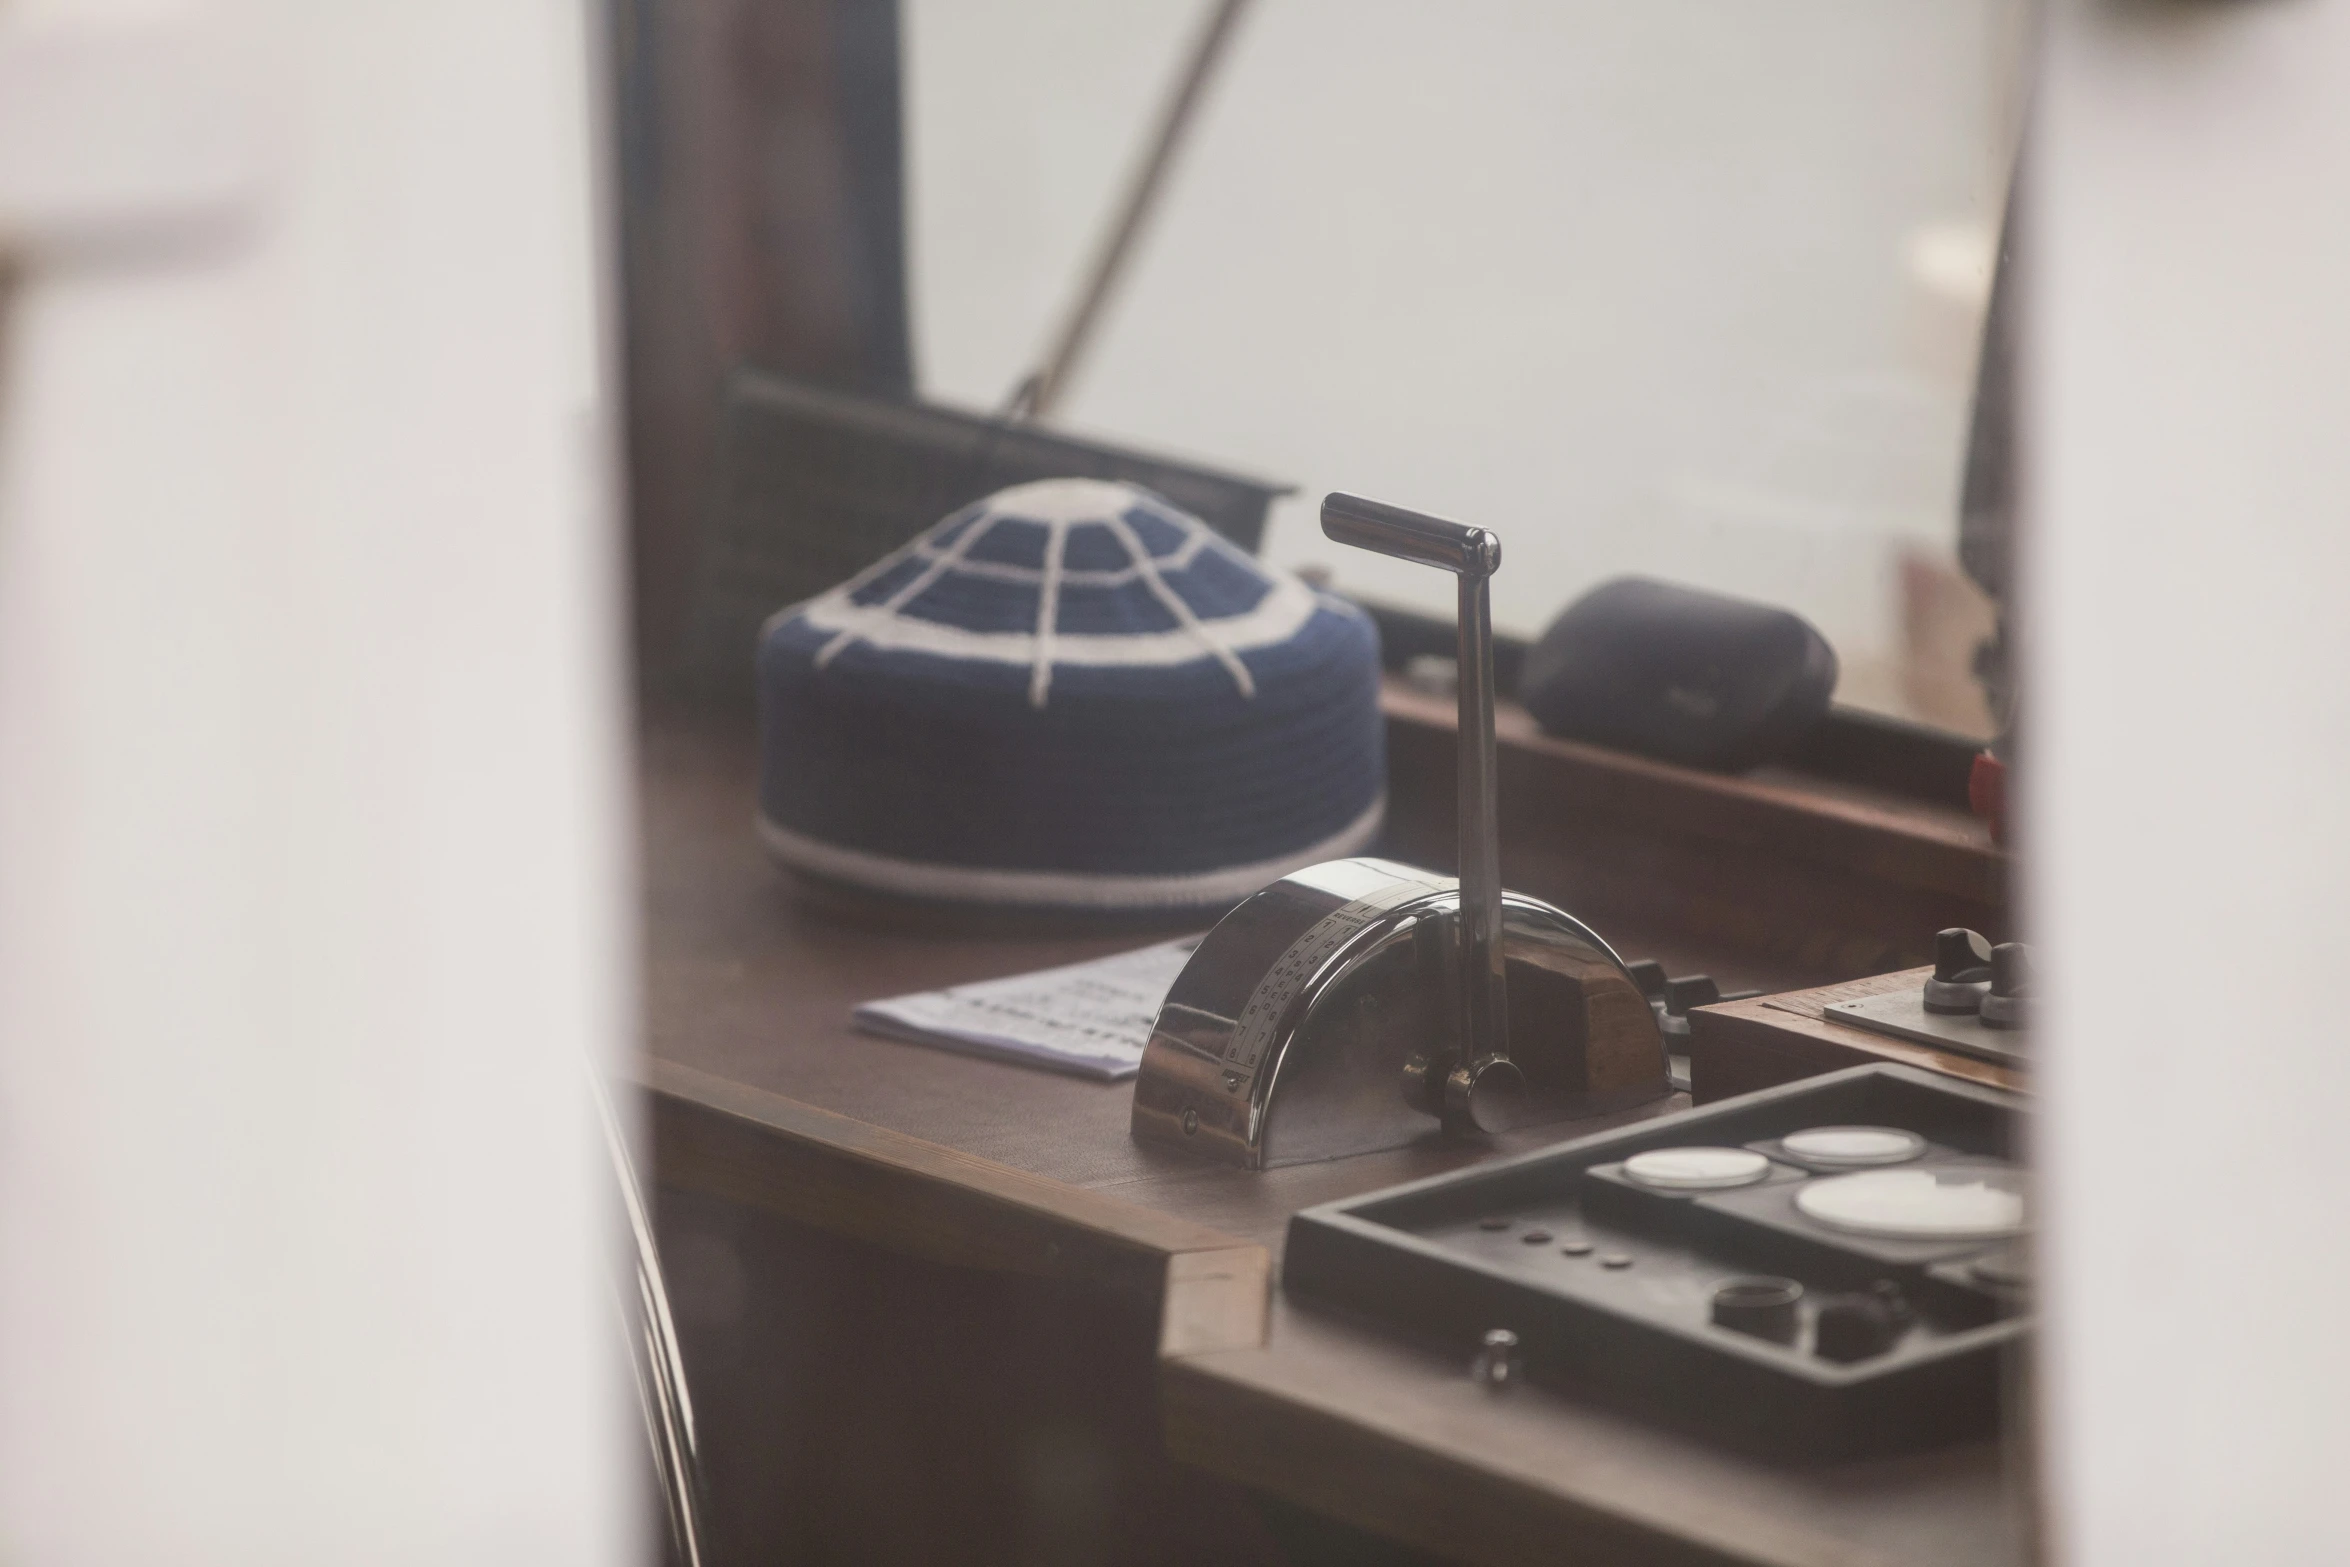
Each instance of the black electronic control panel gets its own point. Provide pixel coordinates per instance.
(1832, 1268)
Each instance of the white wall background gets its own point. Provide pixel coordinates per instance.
(1688, 288)
(2188, 740)
(312, 824)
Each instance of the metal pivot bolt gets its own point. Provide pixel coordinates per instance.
(1480, 1085)
(1496, 1365)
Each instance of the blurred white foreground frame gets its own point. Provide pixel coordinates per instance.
(312, 873)
(2188, 771)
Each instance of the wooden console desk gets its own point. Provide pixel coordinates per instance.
(943, 1308)
(1740, 1046)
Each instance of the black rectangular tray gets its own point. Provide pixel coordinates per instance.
(1449, 1258)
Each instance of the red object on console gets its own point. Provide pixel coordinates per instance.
(1986, 793)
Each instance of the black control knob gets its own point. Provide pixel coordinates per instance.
(1962, 972)
(2011, 985)
(1854, 1327)
(1649, 975)
(1693, 990)
(1764, 1307)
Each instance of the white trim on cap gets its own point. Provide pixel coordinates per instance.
(1277, 617)
(1056, 889)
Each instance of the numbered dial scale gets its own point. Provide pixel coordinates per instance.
(1317, 1019)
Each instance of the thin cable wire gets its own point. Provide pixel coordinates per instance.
(1041, 390)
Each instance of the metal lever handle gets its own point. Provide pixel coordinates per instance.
(1482, 1087)
(1411, 535)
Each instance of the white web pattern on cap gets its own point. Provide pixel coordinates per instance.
(1173, 601)
(1048, 611)
(1285, 607)
(937, 568)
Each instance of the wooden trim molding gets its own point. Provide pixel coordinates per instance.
(1873, 833)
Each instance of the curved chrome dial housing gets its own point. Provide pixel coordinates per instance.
(1319, 1018)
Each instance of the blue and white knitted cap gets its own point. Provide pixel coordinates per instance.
(1069, 694)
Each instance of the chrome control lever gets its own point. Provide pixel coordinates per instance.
(1351, 1004)
(1479, 1084)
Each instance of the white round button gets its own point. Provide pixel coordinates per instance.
(1696, 1169)
(1917, 1205)
(1853, 1145)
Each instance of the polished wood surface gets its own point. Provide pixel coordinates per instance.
(812, 1149)
(752, 980)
